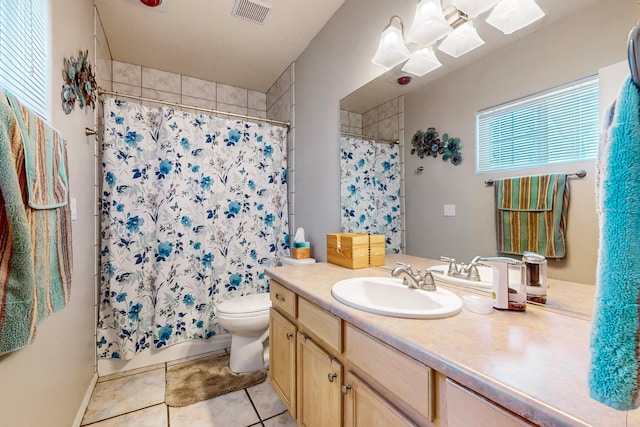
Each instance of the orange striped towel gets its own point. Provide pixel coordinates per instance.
(532, 214)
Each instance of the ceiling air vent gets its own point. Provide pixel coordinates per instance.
(251, 10)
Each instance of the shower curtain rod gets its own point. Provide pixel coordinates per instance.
(580, 174)
(368, 138)
(193, 107)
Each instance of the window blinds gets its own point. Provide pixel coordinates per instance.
(556, 126)
(24, 51)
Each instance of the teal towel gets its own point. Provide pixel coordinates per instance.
(44, 158)
(35, 243)
(614, 372)
(17, 281)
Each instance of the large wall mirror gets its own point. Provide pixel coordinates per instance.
(585, 42)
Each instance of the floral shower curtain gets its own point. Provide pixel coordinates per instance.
(370, 190)
(194, 208)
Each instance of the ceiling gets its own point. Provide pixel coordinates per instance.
(200, 38)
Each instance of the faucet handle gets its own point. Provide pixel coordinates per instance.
(429, 283)
(453, 267)
(408, 266)
(474, 275)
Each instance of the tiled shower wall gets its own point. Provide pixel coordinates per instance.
(135, 80)
(384, 122)
(281, 106)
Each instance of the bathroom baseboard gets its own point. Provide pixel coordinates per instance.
(85, 401)
(167, 354)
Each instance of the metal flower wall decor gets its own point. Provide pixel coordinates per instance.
(428, 143)
(80, 83)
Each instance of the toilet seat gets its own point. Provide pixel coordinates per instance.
(245, 307)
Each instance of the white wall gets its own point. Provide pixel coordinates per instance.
(569, 49)
(337, 62)
(44, 384)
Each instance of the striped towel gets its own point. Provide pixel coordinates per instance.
(44, 153)
(35, 244)
(614, 377)
(531, 214)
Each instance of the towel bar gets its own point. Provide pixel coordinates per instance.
(580, 174)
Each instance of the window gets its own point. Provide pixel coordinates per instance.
(556, 126)
(24, 51)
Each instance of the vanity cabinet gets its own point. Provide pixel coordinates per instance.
(465, 408)
(309, 351)
(401, 380)
(319, 386)
(304, 371)
(364, 407)
(282, 359)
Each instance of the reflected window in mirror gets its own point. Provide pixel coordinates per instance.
(556, 126)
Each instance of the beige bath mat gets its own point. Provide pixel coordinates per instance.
(202, 379)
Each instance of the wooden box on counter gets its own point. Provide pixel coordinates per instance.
(376, 250)
(300, 253)
(356, 250)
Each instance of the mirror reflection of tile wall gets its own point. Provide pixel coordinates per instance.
(386, 121)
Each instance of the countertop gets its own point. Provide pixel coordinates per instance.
(534, 363)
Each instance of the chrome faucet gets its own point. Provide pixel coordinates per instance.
(470, 271)
(414, 280)
(463, 271)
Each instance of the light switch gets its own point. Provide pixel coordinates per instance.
(449, 210)
(73, 205)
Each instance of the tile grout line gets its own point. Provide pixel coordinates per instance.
(120, 415)
(254, 407)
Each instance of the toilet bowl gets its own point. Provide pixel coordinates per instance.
(247, 320)
(292, 261)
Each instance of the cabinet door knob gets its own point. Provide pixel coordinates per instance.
(289, 335)
(332, 377)
(345, 389)
(279, 297)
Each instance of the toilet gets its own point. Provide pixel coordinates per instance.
(247, 320)
(292, 261)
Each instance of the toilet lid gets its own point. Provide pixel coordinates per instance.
(245, 304)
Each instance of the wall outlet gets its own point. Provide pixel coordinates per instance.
(449, 210)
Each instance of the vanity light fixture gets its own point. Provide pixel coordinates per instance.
(429, 24)
(511, 15)
(391, 50)
(473, 8)
(422, 62)
(463, 39)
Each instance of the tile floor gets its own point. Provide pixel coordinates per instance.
(136, 398)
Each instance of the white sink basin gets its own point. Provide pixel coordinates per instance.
(389, 297)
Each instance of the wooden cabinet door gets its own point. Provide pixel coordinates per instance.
(319, 386)
(282, 359)
(364, 407)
